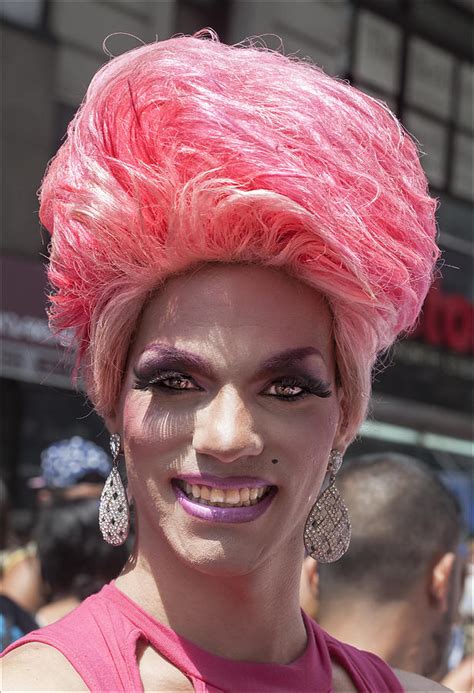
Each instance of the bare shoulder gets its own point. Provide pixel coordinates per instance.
(39, 667)
(413, 682)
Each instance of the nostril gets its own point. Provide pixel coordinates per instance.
(224, 429)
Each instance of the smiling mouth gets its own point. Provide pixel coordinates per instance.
(223, 498)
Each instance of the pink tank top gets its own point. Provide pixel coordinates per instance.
(100, 636)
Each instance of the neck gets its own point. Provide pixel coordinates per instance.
(254, 617)
(392, 631)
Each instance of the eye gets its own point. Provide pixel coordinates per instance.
(175, 383)
(166, 381)
(293, 388)
(284, 390)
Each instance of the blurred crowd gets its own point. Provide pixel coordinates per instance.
(64, 559)
(404, 590)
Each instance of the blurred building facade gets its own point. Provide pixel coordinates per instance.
(415, 55)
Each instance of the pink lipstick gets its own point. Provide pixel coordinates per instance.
(233, 507)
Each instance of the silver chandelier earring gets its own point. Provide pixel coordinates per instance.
(114, 510)
(327, 532)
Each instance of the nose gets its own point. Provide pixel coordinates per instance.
(224, 429)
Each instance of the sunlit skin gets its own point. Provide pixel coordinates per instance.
(232, 367)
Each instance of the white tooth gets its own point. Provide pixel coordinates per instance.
(217, 495)
(244, 494)
(253, 493)
(187, 487)
(196, 491)
(246, 503)
(260, 492)
(232, 495)
(206, 492)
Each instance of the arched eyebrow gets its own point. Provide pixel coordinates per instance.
(166, 356)
(288, 358)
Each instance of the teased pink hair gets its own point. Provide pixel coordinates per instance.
(190, 151)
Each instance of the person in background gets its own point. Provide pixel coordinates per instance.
(75, 561)
(66, 561)
(71, 469)
(396, 591)
(15, 621)
(467, 602)
(19, 572)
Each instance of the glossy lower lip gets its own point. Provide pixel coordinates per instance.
(225, 482)
(246, 513)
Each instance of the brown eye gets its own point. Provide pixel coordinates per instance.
(285, 390)
(178, 384)
(295, 388)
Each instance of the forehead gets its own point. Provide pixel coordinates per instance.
(249, 309)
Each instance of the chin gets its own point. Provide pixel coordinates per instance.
(220, 567)
(219, 558)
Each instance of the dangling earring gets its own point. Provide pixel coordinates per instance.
(114, 511)
(327, 532)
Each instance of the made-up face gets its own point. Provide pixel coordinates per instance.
(228, 413)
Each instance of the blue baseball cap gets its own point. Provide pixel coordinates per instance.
(67, 462)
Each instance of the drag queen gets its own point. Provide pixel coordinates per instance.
(236, 237)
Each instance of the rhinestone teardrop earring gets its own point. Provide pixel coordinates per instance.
(327, 532)
(114, 510)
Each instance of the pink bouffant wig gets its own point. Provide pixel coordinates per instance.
(190, 151)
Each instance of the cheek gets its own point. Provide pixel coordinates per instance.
(150, 430)
(309, 443)
(311, 434)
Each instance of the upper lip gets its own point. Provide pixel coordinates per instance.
(224, 482)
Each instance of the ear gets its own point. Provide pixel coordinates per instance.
(440, 580)
(310, 570)
(314, 580)
(113, 418)
(343, 437)
(309, 592)
(113, 422)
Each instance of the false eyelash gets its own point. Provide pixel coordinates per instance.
(310, 386)
(143, 382)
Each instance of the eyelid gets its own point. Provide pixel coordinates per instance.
(145, 381)
(298, 376)
(310, 384)
(175, 363)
